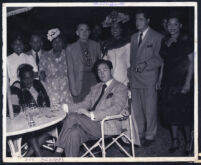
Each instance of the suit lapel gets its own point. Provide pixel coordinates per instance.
(135, 43)
(146, 38)
(108, 90)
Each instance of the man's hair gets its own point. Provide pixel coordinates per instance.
(82, 23)
(24, 68)
(144, 12)
(35, 34)
(102, 61)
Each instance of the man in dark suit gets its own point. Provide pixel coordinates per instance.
(36, 44)
(106, 98)
(81, 55)
(36, 51)
(144, 74)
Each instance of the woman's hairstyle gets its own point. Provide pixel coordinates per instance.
(102, 61)
(115, 17)
(175, 15)
(24, 68)
(17, 38)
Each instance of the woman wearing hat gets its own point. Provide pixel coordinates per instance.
(53, 66)
(117, 50)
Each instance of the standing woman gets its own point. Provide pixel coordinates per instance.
(177, 83)
(117, 50)
(53, 70)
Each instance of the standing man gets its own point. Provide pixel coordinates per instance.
(144, 74)
(81, 57)
(36, 44)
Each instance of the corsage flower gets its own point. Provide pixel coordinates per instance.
(52, 34)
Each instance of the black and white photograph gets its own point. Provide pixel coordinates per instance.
(100, 81)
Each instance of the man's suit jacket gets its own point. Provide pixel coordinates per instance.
(113, 102)
(148, 52)
(75, 63)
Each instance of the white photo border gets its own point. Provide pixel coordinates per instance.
(103, 4)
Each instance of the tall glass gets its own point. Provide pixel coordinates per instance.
(32, 112)
(25, 109)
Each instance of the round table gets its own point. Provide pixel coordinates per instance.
(45, 117)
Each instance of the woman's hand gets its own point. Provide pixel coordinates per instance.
(186, 88)
(170, 41)
(189, 76)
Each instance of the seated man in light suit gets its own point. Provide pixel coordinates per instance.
(83, 120)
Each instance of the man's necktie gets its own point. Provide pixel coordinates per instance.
(37, 58)
(140, 39)
(99, 98)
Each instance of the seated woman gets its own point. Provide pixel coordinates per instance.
(29, 91)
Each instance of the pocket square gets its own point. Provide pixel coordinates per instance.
(149, 46)
(109, 95)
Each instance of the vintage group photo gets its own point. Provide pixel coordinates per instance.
(99, 81)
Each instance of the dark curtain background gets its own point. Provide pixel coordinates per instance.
(41, 19)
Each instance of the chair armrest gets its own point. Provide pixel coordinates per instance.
(112, 117)
(107, 118)
(119, 116)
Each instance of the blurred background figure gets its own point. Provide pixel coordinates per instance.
(96, 33)
(177, 83)
(164, 29)
(53, 67)
(81, 56)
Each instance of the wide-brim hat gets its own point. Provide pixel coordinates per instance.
(115, 17)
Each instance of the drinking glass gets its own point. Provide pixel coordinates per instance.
(25, 109)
